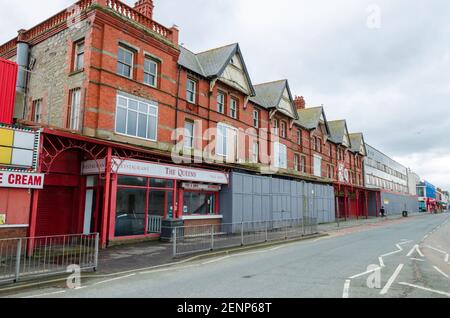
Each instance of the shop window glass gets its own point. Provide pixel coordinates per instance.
(161, 183)
(197, 203)
(160, 203)
(130, 212)
(132, 181)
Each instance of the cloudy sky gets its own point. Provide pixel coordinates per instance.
(382, 65)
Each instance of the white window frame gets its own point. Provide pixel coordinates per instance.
(37, 110)
(317, 173)
(132, 62)
(75, 108)
(280, 154)
(189, 138)
(151, 60)
(220, 103)
(276, 127)
(303, 164)
(299, 137)
(222, 142)
(234, 108)
(150, 105)
(256, 118)
(255, 152)
(296, 162)
(283, 129)
(193, 92)
(79, 55)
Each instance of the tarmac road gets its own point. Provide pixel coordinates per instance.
(409, 258)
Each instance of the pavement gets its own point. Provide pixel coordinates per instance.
(396, 258)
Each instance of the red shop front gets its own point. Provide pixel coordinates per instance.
(145, 196)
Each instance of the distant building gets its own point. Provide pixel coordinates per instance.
(413, 181)
(427, 196)
(389, 181)
(446, 199)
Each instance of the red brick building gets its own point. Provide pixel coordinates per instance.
(122, 107)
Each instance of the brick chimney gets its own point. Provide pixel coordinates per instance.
(299, 102)
(145, 7)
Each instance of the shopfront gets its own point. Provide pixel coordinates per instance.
(18, 179)
(146, 196)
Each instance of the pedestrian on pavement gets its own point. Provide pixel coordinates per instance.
(383, 212)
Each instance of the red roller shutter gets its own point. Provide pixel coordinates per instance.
(56, 211)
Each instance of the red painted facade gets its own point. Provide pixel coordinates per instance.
(8, 79)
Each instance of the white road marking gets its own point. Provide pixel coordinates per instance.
(439, 270)
(436, 249)
(112, 279)
(46, 294)
(216, 260)
(446, 257)
(365, 273)
(417, 249)
(346, 292)
(400, 249)
(391, 280)
(426, 289)
(417, 259)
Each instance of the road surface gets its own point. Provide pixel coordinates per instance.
(408, 258)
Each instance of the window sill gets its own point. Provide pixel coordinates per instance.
(201, 217)
(11, 226)
(73, 73)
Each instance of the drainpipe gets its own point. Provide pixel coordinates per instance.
(178, 97)
(23, 51)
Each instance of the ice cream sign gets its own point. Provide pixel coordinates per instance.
(21, 180)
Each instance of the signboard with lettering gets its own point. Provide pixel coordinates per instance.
(201, 187)
(21, 180)
(156, 170)
(18, 148)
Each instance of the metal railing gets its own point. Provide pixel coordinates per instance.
(44, 256)
(154, 224)
(195, 239)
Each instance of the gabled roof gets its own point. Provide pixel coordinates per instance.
(190, 61)
(309, 118)
(357, 141)
(269, 95)
(338, 129)
(212, 63)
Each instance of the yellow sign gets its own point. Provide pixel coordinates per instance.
(2, 219)
(6, 137)
(5, 155)
(18, 147)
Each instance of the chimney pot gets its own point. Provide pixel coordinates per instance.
(299, 102)
(145, 7)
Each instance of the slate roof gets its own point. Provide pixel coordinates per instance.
(356, 140)
(338, 129)
(309, 118)
(212, 63)
(190, 61)
(268, 95)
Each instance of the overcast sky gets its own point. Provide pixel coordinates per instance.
(382, 65)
